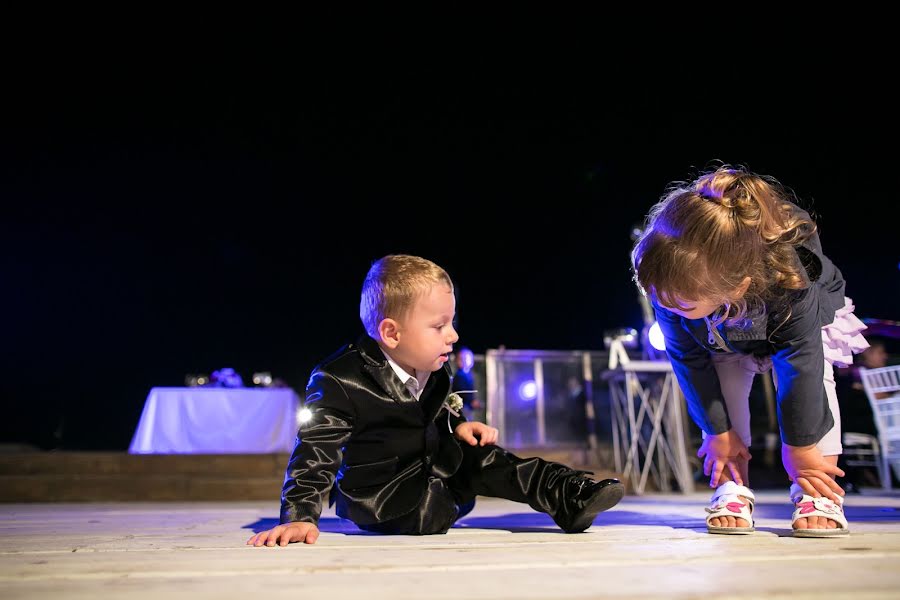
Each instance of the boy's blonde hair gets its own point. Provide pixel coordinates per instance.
(704, 237)
(392, 286)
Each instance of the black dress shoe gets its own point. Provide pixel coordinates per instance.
(465, 509)
(584, 499)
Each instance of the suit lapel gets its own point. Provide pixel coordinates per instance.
(376, 364)
(382, 372)
(435, 393)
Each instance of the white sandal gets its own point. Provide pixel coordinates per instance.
(807, 506)
(728, 501)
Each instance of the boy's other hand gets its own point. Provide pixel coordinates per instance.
(476, 434)
(282, 535)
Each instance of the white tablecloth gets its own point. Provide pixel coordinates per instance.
(217, 421)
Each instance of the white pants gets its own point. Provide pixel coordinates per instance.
(736, 372)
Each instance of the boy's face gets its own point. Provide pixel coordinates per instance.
(425, 337)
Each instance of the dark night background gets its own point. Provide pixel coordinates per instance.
(163, 218)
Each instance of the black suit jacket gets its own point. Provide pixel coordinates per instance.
(370, 437)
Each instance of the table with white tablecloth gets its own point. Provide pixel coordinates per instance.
(200, 420)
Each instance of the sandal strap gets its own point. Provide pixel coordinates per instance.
(797, 495)
(807, 506)
(731, 500)
(730, 488)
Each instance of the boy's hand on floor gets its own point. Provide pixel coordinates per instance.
(285, 534)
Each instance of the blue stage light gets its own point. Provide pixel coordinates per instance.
(528, 390)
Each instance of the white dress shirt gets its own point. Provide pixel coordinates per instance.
(415, 385)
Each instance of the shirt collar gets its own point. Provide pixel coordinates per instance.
(416, 383)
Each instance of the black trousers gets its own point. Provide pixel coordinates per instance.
(485, 471)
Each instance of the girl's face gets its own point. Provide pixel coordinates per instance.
(703, 307)
(695, 309)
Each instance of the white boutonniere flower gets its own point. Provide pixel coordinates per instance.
(453, 404)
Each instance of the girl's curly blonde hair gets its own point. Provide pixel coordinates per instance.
(704, 237)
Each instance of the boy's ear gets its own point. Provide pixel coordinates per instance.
(389, 332)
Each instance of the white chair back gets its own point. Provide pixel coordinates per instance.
(883, 390)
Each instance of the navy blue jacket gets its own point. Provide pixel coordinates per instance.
(790, 331)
